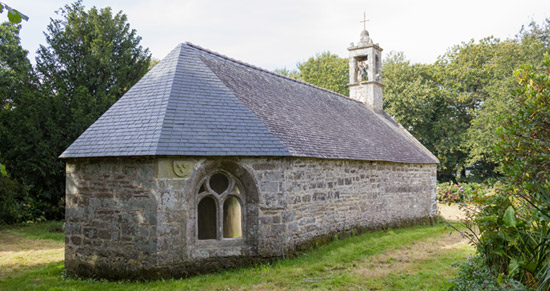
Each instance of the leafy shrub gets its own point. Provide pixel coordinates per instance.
(460, 193)
(16, 204)
(513, 225)
(474, 274)
(509, 235)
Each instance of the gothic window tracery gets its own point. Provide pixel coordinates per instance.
(219, 207)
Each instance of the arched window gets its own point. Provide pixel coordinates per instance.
(207, 218)
(219, 207)
(232, 217)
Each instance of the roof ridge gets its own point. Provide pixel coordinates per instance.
(178, 50)
(266, 71)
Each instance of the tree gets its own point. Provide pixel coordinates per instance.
(514, 223)
(94, 50)
(525, 135)
(413, 96)
(467, 74)
(18, 90)
(288, 73)
(91, 59)
(327, 71)
(502, 58)
(15, 68)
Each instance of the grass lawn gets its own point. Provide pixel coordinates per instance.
(418, 258)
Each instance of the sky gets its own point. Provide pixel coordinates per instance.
(280, 33)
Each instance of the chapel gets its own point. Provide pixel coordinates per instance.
(208, 162)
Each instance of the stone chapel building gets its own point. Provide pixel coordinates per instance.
(209, 162)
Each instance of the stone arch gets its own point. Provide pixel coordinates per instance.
(249, 208)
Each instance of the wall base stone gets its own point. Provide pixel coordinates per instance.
(130, 271)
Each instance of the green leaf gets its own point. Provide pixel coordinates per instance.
(500, 278)
(513, 268)
(14, 17)
(510, 217)
(3, 170)
(531, 267)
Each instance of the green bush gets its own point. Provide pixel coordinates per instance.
(16, 205)
(461, 193)
(511, 228)
(474, 274)
(510, 236)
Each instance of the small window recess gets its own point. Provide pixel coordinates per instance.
(220, 203)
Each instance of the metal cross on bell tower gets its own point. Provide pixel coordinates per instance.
(365, 70)
(365, 20)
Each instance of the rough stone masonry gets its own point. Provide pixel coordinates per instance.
(135, 217)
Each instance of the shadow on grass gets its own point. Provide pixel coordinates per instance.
(51, 230)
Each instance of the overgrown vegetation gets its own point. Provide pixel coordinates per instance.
(474, 274)
(91, 58)
(513, 225)
(450, 192)
(17, 205)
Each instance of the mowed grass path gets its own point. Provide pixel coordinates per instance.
(418, 258)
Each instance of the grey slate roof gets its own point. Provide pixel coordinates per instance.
(198, 103)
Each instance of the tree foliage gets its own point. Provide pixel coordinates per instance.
(18, 86)
(412, 95)
(475, 77)
(512, 233)
(471, 88)
(15, 68)
(325, 70)
(91, 59)
(525, 136)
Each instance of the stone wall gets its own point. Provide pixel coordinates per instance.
(303, 199)
(111, 216)
(136, 218)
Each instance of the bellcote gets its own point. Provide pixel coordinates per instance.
(365, 72)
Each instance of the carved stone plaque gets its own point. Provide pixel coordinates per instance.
(182, 168)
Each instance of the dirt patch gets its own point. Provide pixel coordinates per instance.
(450, 212)
(403, 260)
(17, 252)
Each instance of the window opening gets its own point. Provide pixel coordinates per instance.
(202, 189)
(232, 218)
(207, 218)
(219, 183)
(236, 189)
(220, 207)
(361, 71)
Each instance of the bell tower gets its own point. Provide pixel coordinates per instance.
(365, 71)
